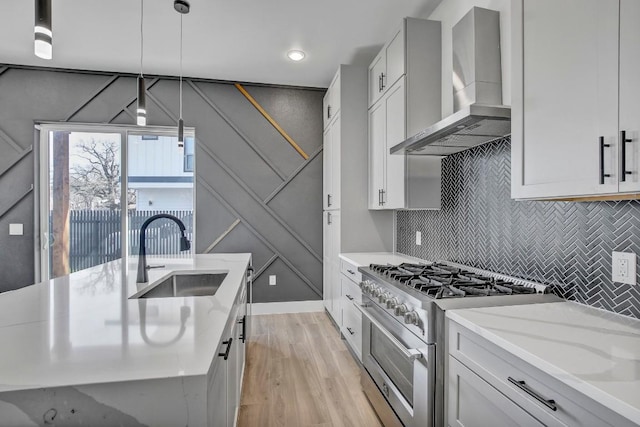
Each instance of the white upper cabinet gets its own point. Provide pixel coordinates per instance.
(630, 95)
(331, 101)
(387, 127)
(387, 67)
(404, 98)
(574, 76)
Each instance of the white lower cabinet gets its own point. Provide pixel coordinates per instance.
(475, 403)
(488, 386)
(351, 317)
(331, 266)
(224, 385)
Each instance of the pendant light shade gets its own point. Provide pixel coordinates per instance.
(181, 132)
(43, 35)
(182, 7)
(141, 111)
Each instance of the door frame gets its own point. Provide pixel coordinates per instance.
(42, 187)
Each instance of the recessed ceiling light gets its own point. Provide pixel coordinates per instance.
(296, 55)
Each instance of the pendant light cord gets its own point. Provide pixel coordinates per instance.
(141, 34)
(181, 66)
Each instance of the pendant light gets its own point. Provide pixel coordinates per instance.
(182, 7)
(43, 36)
(141, 111)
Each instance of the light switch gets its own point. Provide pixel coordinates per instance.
(418, 238)
(16, 229)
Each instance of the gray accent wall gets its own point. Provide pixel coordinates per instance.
(254, 192)
(564, 244)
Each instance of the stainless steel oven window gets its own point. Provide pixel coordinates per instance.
(397, 367)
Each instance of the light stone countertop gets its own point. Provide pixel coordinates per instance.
(593, 351)
(362, 259)
(84, 329)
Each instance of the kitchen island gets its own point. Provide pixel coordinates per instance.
(78, 350)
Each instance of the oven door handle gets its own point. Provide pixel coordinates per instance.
(409, 353)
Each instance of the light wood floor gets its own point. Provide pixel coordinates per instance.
(299, 373)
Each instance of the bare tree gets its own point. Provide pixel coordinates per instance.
(95, 183)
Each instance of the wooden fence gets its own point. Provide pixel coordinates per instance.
(95, 235)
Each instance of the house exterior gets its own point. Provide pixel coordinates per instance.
(161, 172)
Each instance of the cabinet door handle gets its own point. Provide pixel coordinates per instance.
(351, 272)
(602, 174)
(328, 199)
(350, 331)
(623, 161)
(329, 218)
(549, 403)
(328, 111)
(382, 83)
(379, 197)
(349, 297)
(225, 354)
(383, 192)
(243, 321)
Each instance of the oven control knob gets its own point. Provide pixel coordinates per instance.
(383, 297)
(376, 292)
(400, 310)
(411, 318)
(365, 285)
(392, 302)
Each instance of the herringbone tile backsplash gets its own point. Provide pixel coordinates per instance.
(565, 244)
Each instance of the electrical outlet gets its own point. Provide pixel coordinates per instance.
(418, 238)
(623, 267)
(272, 280)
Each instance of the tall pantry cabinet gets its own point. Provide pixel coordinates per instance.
(348, 225)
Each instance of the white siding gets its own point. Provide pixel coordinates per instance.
(161, 157)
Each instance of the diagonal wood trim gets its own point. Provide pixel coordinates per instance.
(16, 201)
(3, 70)
(93, 96)
(260, 237)
(237, 130)
(258, 200)
(293, 175)
(264, 267)
(131, 100)
(270, 120)
(222, 236)
(16, 161)
(10, 141)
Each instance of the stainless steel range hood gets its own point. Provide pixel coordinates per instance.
(477, 92)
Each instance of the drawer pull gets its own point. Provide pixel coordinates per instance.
(350, 331)
(351, 272)
(551, 404)
(349, 297)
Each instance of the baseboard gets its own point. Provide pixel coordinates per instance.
(287, 307)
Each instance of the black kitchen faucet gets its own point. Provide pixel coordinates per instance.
(185, 245)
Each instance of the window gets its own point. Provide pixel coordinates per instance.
(189, 154)
(98, 184)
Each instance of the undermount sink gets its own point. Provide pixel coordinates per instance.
(184, 285)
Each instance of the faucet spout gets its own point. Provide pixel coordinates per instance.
(185, 245)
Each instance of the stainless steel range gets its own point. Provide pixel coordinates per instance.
(403, 331)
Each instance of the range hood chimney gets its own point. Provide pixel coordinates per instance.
(479, 116)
